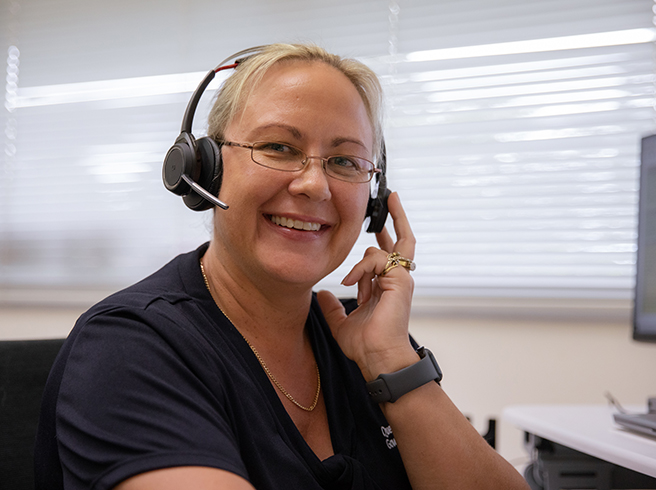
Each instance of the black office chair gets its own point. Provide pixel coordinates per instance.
(24, 368)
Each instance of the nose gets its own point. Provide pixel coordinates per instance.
(312, 180)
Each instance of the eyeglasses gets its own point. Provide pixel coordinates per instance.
(287, 158)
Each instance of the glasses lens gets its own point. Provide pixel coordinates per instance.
(350, 168)
(278, 156)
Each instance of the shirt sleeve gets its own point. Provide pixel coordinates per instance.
(141, 393)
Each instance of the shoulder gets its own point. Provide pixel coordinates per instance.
(172, 283)
(166, 315)
(159, 319)
(155, 299)
(158, 325)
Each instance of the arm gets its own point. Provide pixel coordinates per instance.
(196, 477)
(439, 447)
(444, 448)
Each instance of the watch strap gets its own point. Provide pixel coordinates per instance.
(390, 387)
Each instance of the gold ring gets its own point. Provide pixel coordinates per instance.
(394, 260)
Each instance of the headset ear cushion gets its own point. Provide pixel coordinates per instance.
(211, 173)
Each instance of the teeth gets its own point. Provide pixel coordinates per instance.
(296, 224)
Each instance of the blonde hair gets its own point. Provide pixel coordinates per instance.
(233, 94)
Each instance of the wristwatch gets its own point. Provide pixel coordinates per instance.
(390, 387)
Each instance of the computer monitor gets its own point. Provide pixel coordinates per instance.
(644, 311)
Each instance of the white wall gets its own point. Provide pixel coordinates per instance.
(492, 357)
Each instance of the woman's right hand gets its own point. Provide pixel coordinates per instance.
(375, 335)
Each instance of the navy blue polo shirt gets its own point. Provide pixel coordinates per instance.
(155, 376)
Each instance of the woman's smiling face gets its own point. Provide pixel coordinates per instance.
(314, 107)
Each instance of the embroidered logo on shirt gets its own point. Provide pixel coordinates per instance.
(389, 437)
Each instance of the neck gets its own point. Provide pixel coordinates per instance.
(274, 328)
(264, 311)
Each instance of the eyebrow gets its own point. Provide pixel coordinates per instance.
(339, 141)
(295, 132)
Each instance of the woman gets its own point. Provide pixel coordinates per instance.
(223, 370)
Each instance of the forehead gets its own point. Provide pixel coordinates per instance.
(307, 93)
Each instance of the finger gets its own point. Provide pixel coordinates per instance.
(371, 264)
(385, 241)
(365, 271)
(405, 239)
(332, 308)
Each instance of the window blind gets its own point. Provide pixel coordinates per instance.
(512, 130)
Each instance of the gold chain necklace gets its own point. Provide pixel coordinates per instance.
(261, 361)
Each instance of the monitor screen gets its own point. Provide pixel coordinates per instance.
(644, 317)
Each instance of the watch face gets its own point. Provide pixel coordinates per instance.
(390, 387)
(438, 370)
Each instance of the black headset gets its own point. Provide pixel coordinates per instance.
(193, 168)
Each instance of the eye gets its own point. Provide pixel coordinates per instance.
(275, 147)
(276, 150)
(345, 162)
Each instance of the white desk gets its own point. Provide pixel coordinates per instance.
(589, 429)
